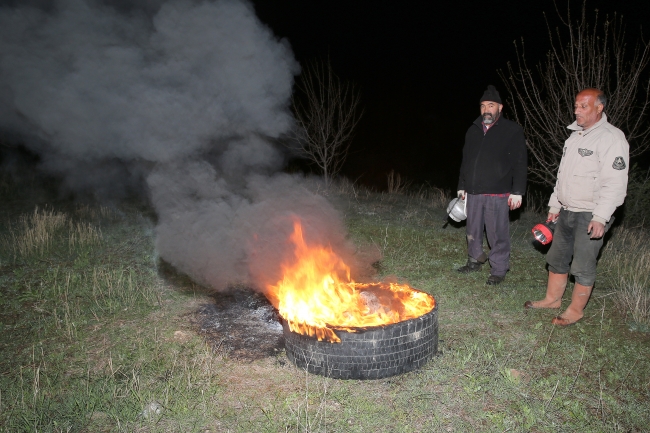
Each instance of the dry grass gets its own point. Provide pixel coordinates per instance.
(626, 260)
(82, 235)
(634, 300)
(36, 232)
(119, 288)
(94, 212)
(433, 196)
(347, 188)
(65, 314)
(396, 185)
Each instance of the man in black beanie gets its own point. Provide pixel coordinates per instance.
(492, 181)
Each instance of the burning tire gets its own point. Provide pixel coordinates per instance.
(369, 353)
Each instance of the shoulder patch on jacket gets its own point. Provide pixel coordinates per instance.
(586, 152)
(619, 163)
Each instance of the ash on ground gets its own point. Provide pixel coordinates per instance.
(241, 323)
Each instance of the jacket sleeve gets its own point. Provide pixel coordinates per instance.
(520, 163)
(461, 176)
(613, 163)
(461, 179)
(553, 203)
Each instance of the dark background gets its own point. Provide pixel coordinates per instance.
(421, 67)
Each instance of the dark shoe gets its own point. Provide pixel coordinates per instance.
(469, 267)
(494, 280)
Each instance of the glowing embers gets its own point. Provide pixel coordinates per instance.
(316, 295)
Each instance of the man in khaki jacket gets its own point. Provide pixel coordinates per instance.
(591, 184)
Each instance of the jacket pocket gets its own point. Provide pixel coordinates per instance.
(581, 190)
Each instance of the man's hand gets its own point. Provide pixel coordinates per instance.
(596, 230)
(552, 216)
(461, 194)
(514, 201)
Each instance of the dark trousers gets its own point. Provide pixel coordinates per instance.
(491, 213)
(572, 250)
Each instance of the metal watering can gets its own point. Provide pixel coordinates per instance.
(457, 210)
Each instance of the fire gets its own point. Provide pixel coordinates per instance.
(317, 296)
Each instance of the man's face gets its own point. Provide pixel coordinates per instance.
(587, 109)
(490, 111)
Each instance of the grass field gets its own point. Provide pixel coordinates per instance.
(95, 338)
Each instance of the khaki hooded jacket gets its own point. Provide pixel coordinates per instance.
(592, 176)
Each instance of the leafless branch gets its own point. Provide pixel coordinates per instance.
(326, 110)
(582, 55)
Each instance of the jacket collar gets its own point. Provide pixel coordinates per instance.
(479, 121)
(574, 126)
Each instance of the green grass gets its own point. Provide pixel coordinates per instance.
(95, 338)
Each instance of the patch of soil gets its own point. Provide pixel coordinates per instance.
(241, 323)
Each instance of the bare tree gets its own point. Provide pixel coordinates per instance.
(581, 56)
(326, 111)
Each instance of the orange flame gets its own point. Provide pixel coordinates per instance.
(316, 295)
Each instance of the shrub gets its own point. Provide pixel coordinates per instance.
(637, 201)
(626, 263)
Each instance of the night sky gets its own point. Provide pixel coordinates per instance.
(421, 67)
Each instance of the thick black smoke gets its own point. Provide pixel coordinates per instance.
(189, 95)
(88, 82)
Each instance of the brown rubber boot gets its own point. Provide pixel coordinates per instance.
(574, 312)
(554, 292)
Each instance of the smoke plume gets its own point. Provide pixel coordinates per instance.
(188, 97)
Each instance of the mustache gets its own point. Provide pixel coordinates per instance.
(488, 114)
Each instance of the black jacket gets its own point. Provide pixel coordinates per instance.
(496, 162)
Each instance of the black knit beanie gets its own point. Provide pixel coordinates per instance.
(491, 94)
